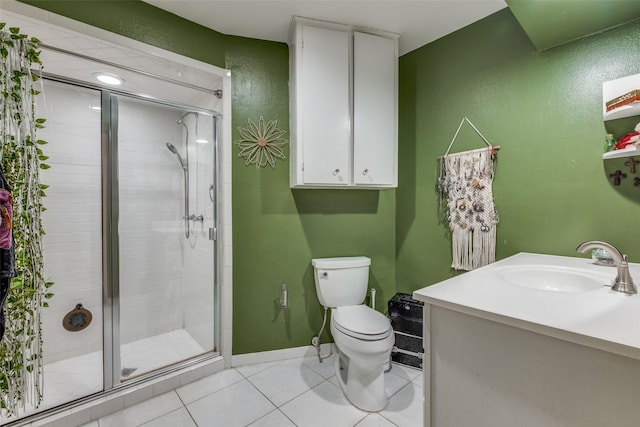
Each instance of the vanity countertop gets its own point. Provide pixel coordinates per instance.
(599, 318)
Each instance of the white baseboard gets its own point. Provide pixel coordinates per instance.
(277, 355)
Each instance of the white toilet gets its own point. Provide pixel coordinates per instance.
(363, 336)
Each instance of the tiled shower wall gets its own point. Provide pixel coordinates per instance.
(166, 281)
(164, 278)
(72, 245)
(150, 225)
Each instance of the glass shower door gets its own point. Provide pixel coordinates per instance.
(72, 325)
(166, 158)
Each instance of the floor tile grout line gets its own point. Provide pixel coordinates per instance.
(311, 367)
(379, 413)
(207, 395)
(278, 362)
(276, 407)
(147, 400)
(400, 389)
(184, 405)
(419, 372)
(294, 397)
(285, 415)
(269, 413)
(161, 416)
(311, 388)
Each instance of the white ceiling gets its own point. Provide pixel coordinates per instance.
(417, 21)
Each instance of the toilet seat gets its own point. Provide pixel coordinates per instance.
(361, 322)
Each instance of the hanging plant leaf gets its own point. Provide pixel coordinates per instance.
(21, 349)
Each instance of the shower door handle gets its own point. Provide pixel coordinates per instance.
(212, 192)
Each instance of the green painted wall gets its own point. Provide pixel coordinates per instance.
(544, 109)
(276, 230)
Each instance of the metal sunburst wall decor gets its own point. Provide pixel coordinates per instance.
(262, 143)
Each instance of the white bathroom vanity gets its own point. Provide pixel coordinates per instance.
(532, 340)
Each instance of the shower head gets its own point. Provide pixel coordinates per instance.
(174, 150)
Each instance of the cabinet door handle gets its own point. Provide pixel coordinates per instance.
(366, 171)
(336, 172)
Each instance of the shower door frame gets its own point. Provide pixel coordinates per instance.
(110, 234)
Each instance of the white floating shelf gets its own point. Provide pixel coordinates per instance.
(616, 88)
(630, 110)
(625, 152)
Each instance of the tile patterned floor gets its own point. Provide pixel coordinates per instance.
(298, 392)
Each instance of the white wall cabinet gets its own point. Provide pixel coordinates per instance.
(343, 86)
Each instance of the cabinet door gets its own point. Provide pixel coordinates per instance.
(375, 111)
(324, 106)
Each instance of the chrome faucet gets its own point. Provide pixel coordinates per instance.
(623, 281)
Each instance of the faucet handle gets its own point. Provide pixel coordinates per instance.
(624, 281)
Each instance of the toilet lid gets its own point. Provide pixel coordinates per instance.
(361, 322)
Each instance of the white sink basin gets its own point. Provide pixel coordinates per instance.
(553, 278)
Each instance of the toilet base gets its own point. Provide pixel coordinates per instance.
(363, 387)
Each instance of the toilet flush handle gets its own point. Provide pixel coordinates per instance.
(325, 274)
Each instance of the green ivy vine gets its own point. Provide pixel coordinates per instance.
(21, 364)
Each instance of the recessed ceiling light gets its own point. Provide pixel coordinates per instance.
(109, 79)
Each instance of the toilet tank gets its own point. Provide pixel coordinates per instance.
(341, 281)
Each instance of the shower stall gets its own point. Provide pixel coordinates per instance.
(132, 224)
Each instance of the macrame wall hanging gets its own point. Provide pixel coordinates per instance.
(466, 182)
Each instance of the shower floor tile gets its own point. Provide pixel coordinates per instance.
(247, 396)
(148, 354)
